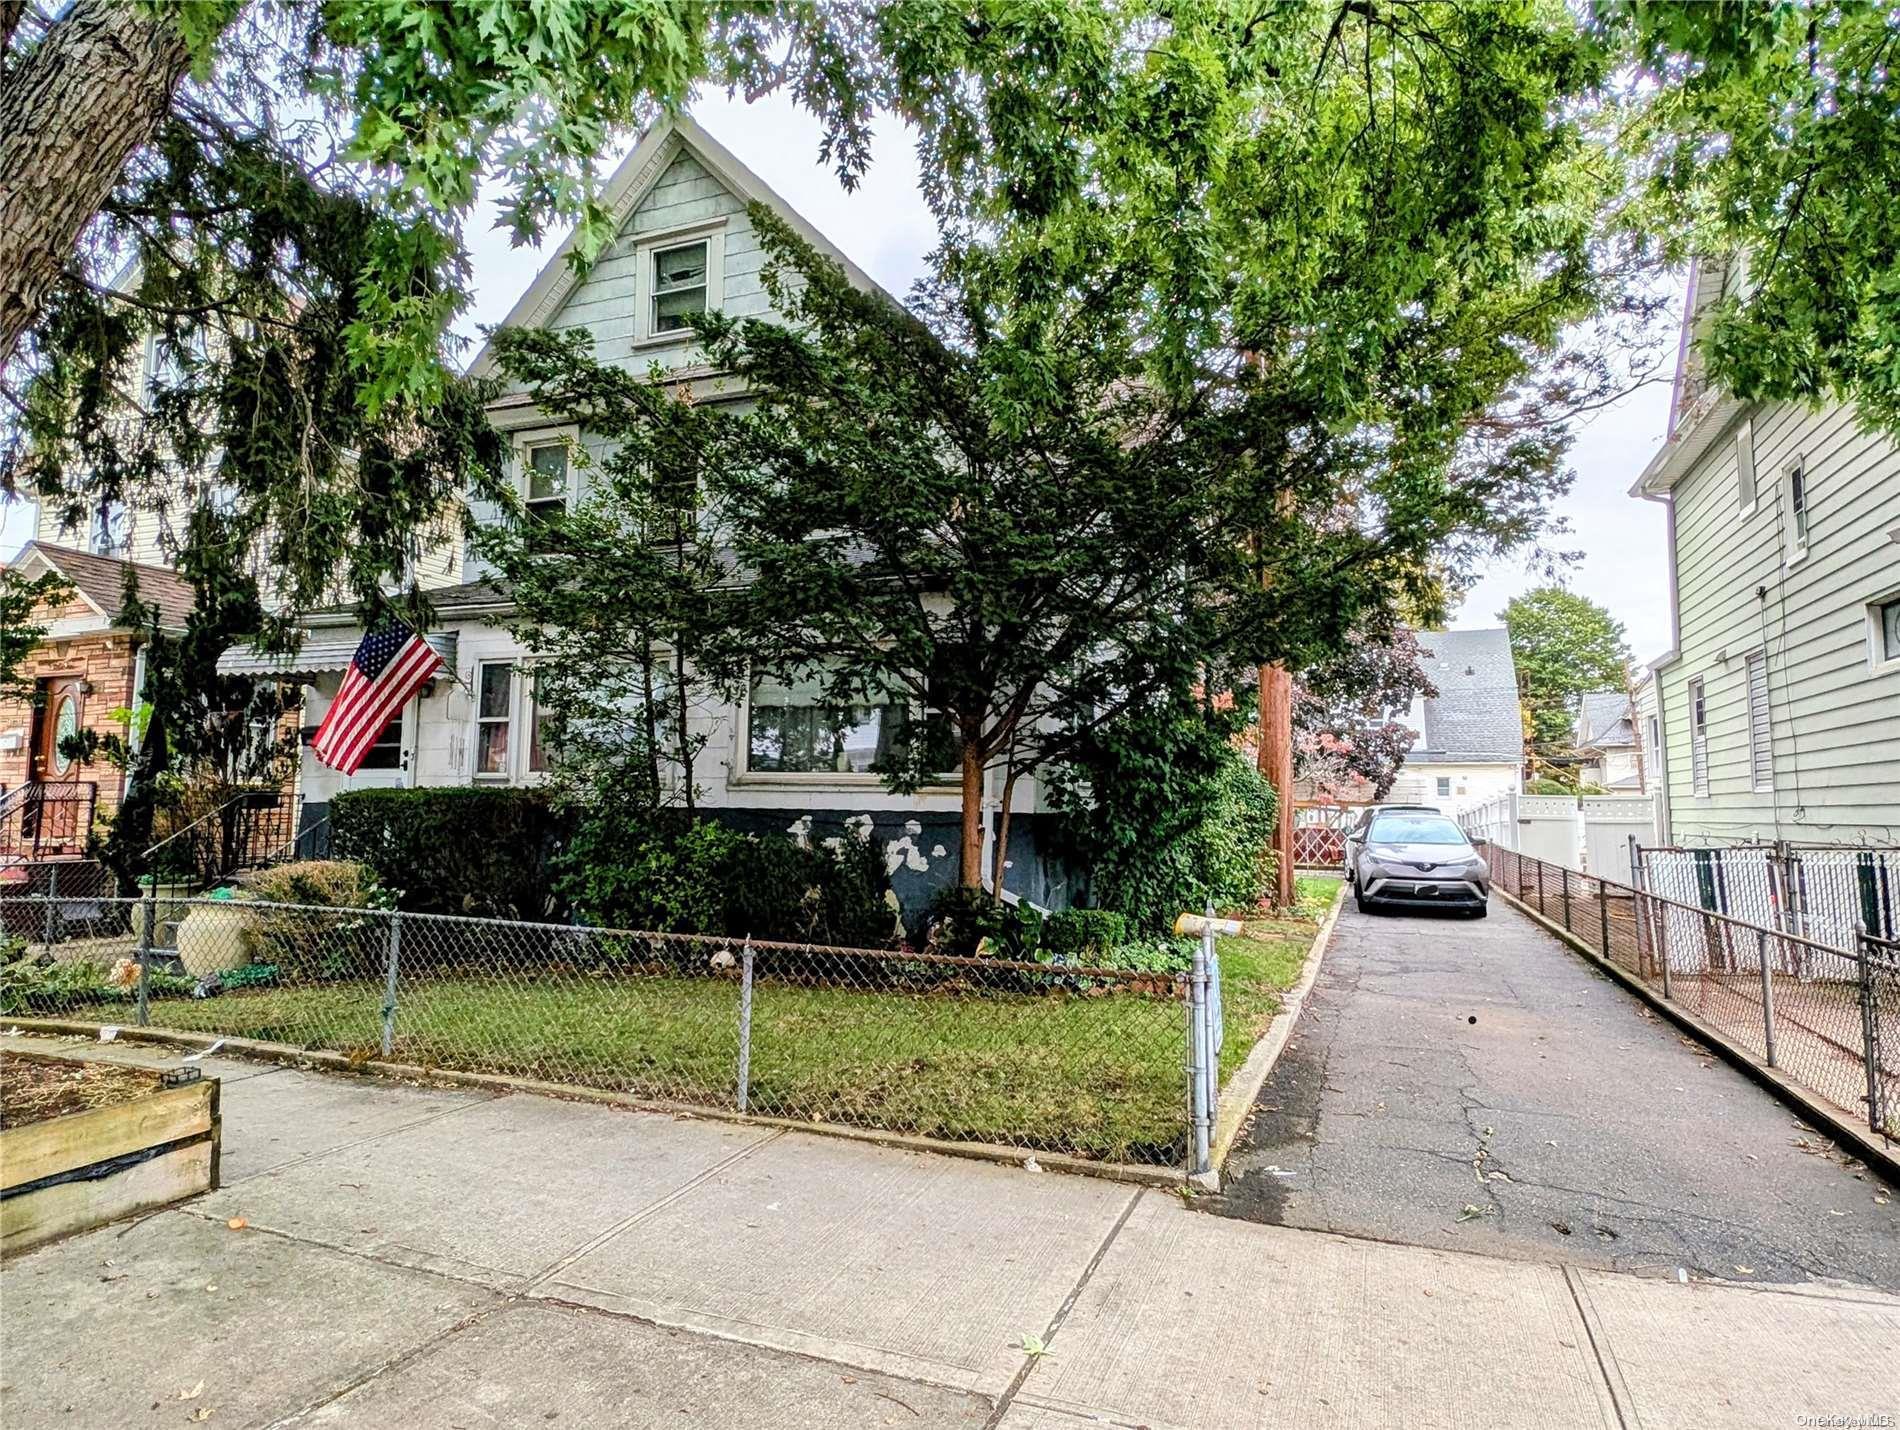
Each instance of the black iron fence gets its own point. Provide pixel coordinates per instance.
(1825, 1015)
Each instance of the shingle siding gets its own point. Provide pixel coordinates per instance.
(1835, 722)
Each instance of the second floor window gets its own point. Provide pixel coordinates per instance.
(1797, 509)
(544, 494)
(110, 534)
(679, 286)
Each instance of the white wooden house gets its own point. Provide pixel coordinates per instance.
(685, 242)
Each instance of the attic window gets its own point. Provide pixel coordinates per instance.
(679, 286)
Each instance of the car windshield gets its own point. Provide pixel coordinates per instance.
(1415, 829)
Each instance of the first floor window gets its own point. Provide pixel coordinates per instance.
(795, 727)
(493, 687)
(1698, 739)
(1444, 786)
(537, 744)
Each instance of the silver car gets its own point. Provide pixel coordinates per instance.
(1417, 859)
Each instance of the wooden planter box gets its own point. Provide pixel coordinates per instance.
(70, 1173)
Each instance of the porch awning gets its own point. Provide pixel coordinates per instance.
(319, 655)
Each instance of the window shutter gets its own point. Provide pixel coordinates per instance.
(1745, 464)
(1761, 756)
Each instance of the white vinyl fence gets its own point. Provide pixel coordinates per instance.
(1589, 833)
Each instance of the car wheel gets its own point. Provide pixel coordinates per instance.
(1360, 901)
(1480, 911)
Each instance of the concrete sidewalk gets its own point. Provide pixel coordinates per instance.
(445, 1257)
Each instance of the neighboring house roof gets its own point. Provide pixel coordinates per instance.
(1604, 721)
(1474, 718)
(630, 183)
(100, 582)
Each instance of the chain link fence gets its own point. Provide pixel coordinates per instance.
(1094, 1063)
(1824, 893)
(1826, 1016)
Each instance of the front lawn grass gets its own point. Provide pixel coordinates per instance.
(1096, 1075)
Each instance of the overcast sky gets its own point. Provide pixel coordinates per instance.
(885, 226)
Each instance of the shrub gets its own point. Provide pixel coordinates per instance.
(1083, 935)
(455, 849)
(961, 919)
(313, 946)
(1164, 814)
(328, 883)
(665, 871)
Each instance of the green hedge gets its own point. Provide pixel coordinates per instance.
(665, 870)
(1082, 935)
(455, 849)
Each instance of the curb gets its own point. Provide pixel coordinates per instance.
(1127, 1172)
(1244, 1086)
(1882, 1159)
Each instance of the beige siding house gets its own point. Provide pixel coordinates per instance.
(1779, 704)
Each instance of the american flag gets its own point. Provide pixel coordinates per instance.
(391, 664)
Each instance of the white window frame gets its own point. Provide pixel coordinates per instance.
(1699, 738)
(1761, 720)
(516, 769)
(1878, 661)
(1442, 786)
(526, 441)
(1800, 519)
(508, 719)
(1747, 483)
(713, 234)
(743, 773)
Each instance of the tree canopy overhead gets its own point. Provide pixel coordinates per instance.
(1769, 143)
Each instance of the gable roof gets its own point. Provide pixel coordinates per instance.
(629, 184)
(1604, 720)
(100, 582)
(1474, 718)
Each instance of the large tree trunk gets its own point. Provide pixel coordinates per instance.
(71, 113)
(970, 852)
(1276, 763)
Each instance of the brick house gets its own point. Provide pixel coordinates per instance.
(86, 668)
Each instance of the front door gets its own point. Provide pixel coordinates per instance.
(58, 714)
(386, 764)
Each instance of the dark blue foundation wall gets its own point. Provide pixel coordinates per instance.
(921, 849)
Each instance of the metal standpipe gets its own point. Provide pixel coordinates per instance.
(745, 1023)
(148, 926)
(52, 903)
(1767, 996)
(1197, 1057)
(1204, 1027)
(389, 986)
(1870, 1030)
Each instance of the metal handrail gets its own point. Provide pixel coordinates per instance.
(1783, 935)
(203, 818)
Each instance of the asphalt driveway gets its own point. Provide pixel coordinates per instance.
(1476, 1085)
